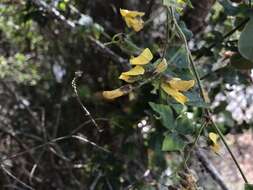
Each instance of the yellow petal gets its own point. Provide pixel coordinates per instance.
(137, 70)
(181, 85)
(161, 67)
(213, 137)
(133, 19)
(117, 92)
(128, 21)
(136, 23)
(178, 96)
(113, 94)
(144, 58)
(127, 78)
(215, 146)
(127, 13)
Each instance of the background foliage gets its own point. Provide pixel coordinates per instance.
(144, 140)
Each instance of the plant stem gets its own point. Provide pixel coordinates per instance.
(167, 33)
(207, 110)
(229, 150)
(194, 143)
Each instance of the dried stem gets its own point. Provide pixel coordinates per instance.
(86, 111)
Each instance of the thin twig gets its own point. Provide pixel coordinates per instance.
(87, 113)
(59, 139)
(15, 178)
(195, 143)
(167, 33)
(227, 147)
(74, 131)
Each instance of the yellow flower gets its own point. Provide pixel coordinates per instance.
(215, 146)
(127, 76)
(137, 70)
(161, 67)
(144, 58)
(181, 85)
(113, 94)
(110, 95)
(174, 86)
(133, 19)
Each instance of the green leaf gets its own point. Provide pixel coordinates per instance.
(184, 125)
(128, 46)
(178, 56)
(195, 99)
(248, 186)
(232, 10)
(188, 34)
(165, 114)
(240, 62)
(245, 43)
(173, 142)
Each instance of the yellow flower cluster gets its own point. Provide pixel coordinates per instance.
(174, 87)
(138, 62)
